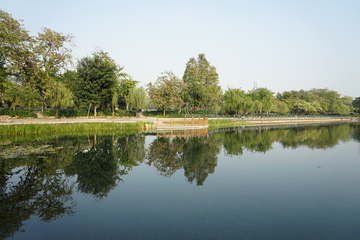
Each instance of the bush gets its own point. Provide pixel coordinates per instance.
(19, 113)
(68, 113)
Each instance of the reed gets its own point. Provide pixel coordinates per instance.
(225, 123)
(24, 129)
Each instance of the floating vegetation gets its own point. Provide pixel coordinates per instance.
(19, 151)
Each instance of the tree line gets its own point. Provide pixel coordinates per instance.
(38, 71)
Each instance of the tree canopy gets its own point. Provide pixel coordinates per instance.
(165, 92)
(97, 77)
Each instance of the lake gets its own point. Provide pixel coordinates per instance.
(268, 182)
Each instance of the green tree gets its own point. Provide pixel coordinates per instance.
(13, 94)
(303, 107)
(338, 107)
(53, 53)
(97, 76)
(71, 81)
(202, 80)
(233, 100)
(265, 96)
(356, 103)
(30, 97)
(279, 106)
(165, 92)
(127, 83)
(137, 98)
(60, 96)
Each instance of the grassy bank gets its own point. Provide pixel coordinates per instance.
(225, 123)
(23, 129)
(173, 114)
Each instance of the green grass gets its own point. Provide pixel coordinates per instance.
(23, 129)
(174, 114)
(225, 123)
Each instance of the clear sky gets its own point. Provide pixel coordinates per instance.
(286, 45)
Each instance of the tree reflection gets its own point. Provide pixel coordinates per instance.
(38, 192)
(100, 165)
(200, 154)
(197, 155)
(320, 137)
(165, 155)
(96, 168)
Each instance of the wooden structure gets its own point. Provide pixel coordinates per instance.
(183, 133)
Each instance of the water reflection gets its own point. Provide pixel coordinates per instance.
(41, 190)
(39, 177)
(235, 142)
(196, 155)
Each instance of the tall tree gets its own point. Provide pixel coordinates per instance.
(53, 52)
(202, 80)
(165, 92)
(97, 77)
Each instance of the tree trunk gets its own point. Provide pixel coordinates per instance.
(56, 112)
(95, 111)
(181, 108)
(2, 99)
(89, 110)
(163, 111)
(126, 103)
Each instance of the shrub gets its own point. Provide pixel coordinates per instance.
(68, 113)
(19, 113)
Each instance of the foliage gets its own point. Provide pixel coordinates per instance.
(29, 97)
(13, 95)
(233, 100)
(68, 113)
(97, 77)
(202, 81)
(71, 81)
(262, 98)
(127, 83)
(165, 92)
(339, 108)
(356, 103)
(137, 98)
(60, 96)
(19, 113)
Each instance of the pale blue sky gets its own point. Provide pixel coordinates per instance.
(287, 45)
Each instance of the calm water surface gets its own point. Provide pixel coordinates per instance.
(290, 183)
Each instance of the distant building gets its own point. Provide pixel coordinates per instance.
(256, 84)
